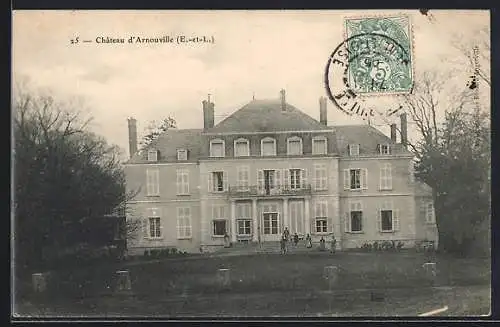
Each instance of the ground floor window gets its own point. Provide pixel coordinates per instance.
(270, 223)
(244, 227)
(356, 221)
(154, 227)
(321, 225)
(219, 227)
(386, 220)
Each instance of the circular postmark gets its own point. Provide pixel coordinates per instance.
(368, 64)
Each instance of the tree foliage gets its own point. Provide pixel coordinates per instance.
(154, 130)
(63, 173)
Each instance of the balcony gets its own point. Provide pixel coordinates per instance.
(259, 191)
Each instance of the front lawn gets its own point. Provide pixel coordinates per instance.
(267, 285)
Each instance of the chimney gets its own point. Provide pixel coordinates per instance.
(393, 133)
(283, 100)
(132, 136)
(322, 111)
(404, 130)
(208, 113)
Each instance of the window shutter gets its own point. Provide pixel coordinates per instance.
(145, 228)
(346, 179)
(286, 178)
(364, 178)
(349, 149)
(423, 210)
(277, 178)
(304, 177)
(179, 182)
(382, 178)
(395, 220)
(161, 228)
(210, 182)
(260, 179)
(379, 149)
(379, 220)
(225, 181)
(347, 222)
(359, 150)
(388, 176)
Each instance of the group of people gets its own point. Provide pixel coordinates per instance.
(285, 238)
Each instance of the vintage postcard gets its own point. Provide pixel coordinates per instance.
(292, 164)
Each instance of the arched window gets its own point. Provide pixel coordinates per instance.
(241, 148)
(268, 146)
(217, 148)
(294, 146)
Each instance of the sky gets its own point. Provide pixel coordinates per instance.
(255, 53)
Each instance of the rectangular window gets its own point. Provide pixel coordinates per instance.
(385, 149)
(243, 178)
(270, 223)
(154, 227)
(355, 179)
(241, 148)
(244, 226)
(430, 217)
(153, 182)
(218, 180)
(152, 155)
(219, 220)
(386, 220)
(319, 146)
(268, 148)
(217, 149)
(182, 155)
(386, 177)
(354, 149)
(320, 177)
(184, 228)
(356, 221)
(182, 182)
(321, 215)
(295, 175)
(294, 147)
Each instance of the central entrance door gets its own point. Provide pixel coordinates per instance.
(270, 223)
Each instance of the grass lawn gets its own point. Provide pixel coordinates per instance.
(272, 285)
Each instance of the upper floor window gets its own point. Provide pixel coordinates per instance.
(386, 176)
(182, 182)
(294, 146)
(319, 145)
(384, 148)
(152, 182)
(355, 179)
(217, 181)
(320, 177)
(268, 146)
(354, 149)
(241, 148)
(184, 226)
(153, 155)
(217, 148)
(182, 154)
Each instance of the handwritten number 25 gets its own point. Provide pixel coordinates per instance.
(75, 40)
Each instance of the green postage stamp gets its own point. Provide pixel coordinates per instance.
(380, 55)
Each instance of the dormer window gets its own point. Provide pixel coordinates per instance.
(354, 149)
(384, 148)
(319, 145)
(241, 148)
(294, 146)
(182, 154)
(268, 146)
(217, 148)
(153, 155)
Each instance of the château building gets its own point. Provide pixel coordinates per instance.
(269, 166)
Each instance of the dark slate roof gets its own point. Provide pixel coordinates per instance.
(368, 137)
(267, 116)
(168, 143)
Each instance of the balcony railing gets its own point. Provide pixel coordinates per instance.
(278, 190)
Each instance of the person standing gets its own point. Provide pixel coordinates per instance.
(333, 244)
(295, 239)
(322, 244)
(286, 233)
(308, 241)
(283, 244)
